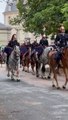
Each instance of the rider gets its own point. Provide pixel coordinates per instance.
(42, 44)
(61, 40)
(44, 41)
(60, 43)
(12, 43)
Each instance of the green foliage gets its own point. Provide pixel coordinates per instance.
(64, 10)
(40, 14)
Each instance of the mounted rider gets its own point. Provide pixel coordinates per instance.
(60, 43)
(44, 41)
(12, 43)
(42, 44)
(61, 39)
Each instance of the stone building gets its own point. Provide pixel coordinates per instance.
(10, 12)
(5, 32)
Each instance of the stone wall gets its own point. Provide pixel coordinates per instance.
(4, 37)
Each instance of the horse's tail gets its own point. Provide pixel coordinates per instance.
(43, 69)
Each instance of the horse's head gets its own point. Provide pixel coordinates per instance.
(16, 52)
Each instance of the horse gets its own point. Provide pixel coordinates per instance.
(25, 56)
(33, 60)
(53, 65)
(42, 60)
(13, 63)
(23, 50)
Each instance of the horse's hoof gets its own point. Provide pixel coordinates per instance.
(48, 77)
(8, 75)
(18, 80)
(64, 87)
(53, 86)
(45, 77)
(37, 75)
(12, 79)
(58, 88)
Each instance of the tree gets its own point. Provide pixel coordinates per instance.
(64, 11)
(36, 15)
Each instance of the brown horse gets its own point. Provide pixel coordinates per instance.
(33, 61)
(53, 65)
(26, 60)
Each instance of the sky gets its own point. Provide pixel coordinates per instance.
(2, 9)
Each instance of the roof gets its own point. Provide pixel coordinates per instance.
(4, 27)
(11, 6)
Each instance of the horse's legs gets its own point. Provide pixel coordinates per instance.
(37, 68)
(32, 64)
(51, 69)
(32, 67)
(7, 67)
(65, 73)
(23, 64)
(23, 68)
(28, 68)
(55, 77)
(12, 75)
(20, 61)
(49, 76)
(43, 71)
(27, 64)
(8, 73)
(17, 75)
(1, 62)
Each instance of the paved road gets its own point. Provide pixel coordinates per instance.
(31, 99)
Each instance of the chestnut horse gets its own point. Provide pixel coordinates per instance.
(26, 60)
(53, 65)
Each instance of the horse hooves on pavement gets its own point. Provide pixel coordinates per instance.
(18, 80)
(37, 75)
(48, 77)
(53, 86)
(58, 88)
(63, 87)
(44, 77)
(8, 75)
(12, 79)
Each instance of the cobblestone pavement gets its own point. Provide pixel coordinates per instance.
(32, 98)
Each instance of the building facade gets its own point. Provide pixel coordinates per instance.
(11, 12)
(5, 32)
